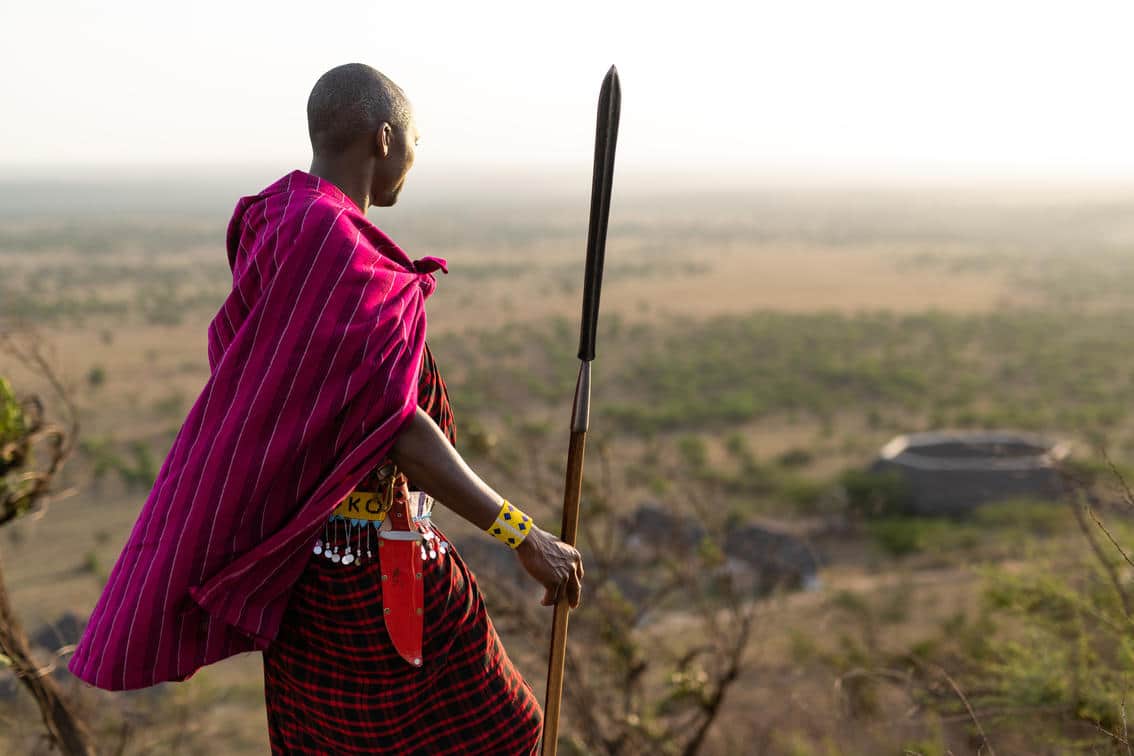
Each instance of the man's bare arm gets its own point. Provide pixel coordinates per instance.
(423, 453)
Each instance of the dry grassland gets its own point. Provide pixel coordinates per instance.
(804, 253)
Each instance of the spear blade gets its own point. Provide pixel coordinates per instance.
(606, 139)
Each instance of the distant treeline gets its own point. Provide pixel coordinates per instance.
(155, 236)
(1028, 369)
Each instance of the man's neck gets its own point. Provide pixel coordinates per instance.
(342, 171)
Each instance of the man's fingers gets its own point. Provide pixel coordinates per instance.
(568, 575)
(574, 588)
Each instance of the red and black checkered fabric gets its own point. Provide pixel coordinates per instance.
(334, 684)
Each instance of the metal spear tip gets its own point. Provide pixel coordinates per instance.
(610, 84)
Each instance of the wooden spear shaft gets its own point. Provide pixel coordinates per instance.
(606, 137)
(572, 493)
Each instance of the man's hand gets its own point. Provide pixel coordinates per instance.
(555, 564)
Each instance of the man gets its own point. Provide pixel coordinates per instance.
(321, 389)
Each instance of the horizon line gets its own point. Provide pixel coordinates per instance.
(833, 172)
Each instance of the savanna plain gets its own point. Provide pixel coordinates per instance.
(756, 348)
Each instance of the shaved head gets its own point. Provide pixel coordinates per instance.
(350, 102)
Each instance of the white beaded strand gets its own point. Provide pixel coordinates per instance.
(348, 557)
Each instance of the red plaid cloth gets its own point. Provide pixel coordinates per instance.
(333, 682)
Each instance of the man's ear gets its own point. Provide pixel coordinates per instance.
(385, 138)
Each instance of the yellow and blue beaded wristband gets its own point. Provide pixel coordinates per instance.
(512, 525)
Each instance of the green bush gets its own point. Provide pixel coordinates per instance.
(875, 494)
(1025, 516)
(12, 426)
(96, 376)
(898, 537)
(795, 458)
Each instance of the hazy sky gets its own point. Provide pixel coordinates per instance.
(849, 85)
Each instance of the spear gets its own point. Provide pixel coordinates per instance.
(606, 136)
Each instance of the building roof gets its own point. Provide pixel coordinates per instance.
(974, 450)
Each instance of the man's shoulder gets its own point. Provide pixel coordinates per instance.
(305, 215)
(299, 194)
(311, 213)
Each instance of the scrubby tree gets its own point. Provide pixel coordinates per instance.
(32, 452)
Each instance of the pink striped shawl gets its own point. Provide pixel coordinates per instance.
(314, 359)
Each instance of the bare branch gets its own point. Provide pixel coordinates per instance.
(968, 707)
(1110, 537)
